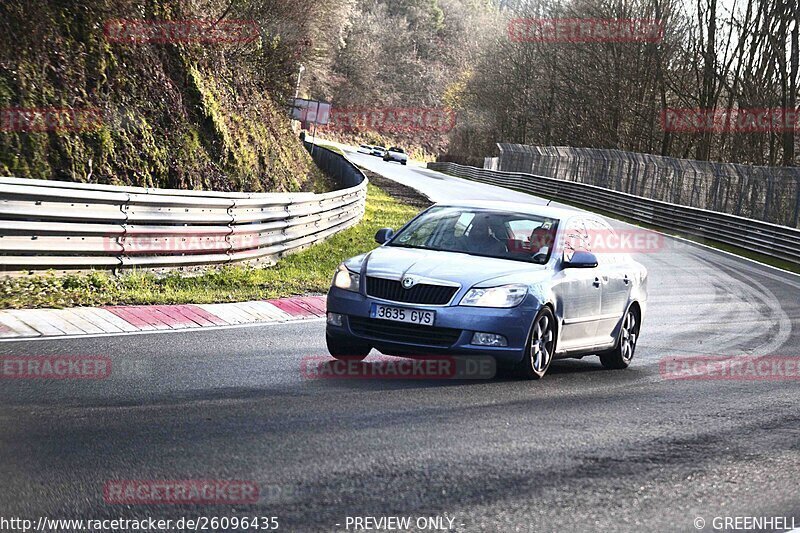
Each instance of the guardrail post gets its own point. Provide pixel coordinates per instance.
(767, 197)
(797, 200)
(716, 185)
(231, 229)
(124, 207)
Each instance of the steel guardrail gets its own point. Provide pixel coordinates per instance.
(773, 240)
(67, 226)
(767, 193)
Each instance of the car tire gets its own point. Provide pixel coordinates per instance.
(402, 163)
(541, 346)
(622, 354)
(347, 350)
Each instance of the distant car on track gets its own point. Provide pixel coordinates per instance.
(396, 154)
(378, 151)
(365, 149)
(515, 281)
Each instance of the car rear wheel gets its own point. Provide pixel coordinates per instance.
(621, 356)
(347, 350)
(541, 346)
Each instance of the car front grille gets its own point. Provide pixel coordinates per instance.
(388, 289)
(387, 330)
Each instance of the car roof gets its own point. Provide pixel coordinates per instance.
(560, 213)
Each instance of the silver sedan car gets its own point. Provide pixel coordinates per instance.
(523, 283)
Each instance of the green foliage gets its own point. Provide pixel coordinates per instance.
(177, 115)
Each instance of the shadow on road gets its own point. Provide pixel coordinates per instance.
(368, 375)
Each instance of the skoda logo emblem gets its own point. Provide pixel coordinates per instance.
(408, 283)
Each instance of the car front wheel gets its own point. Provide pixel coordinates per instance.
(620, 357)
(346, 349)
(541, 346)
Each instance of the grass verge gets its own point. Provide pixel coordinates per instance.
(307, 272)
(330, 147)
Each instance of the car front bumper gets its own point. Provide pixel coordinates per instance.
(452, 333)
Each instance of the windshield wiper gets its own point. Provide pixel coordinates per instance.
(399, 245)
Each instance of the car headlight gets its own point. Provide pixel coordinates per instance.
(344, 279)
(505, 296)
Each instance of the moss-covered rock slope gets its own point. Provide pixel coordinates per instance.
(190, 114)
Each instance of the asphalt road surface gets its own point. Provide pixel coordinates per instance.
(583, 450)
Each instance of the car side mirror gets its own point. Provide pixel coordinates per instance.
(580, 259)
(384, 235)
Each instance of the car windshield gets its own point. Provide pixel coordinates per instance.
(482, 232)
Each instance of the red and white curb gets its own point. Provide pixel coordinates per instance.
(39, 323)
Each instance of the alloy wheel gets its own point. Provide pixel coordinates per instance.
(629, 336)
(542, 344)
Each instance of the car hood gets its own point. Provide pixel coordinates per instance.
(468, 270)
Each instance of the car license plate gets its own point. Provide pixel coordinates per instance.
(400, 314)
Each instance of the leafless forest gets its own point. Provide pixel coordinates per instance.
(713, 55)
(222, 108)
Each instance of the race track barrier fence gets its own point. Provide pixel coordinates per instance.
(771, 194)
(68, 226)
(779, 242)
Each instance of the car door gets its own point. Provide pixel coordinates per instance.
(578, 292)
(614, 274)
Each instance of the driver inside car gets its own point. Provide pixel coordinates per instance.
(541, 241)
